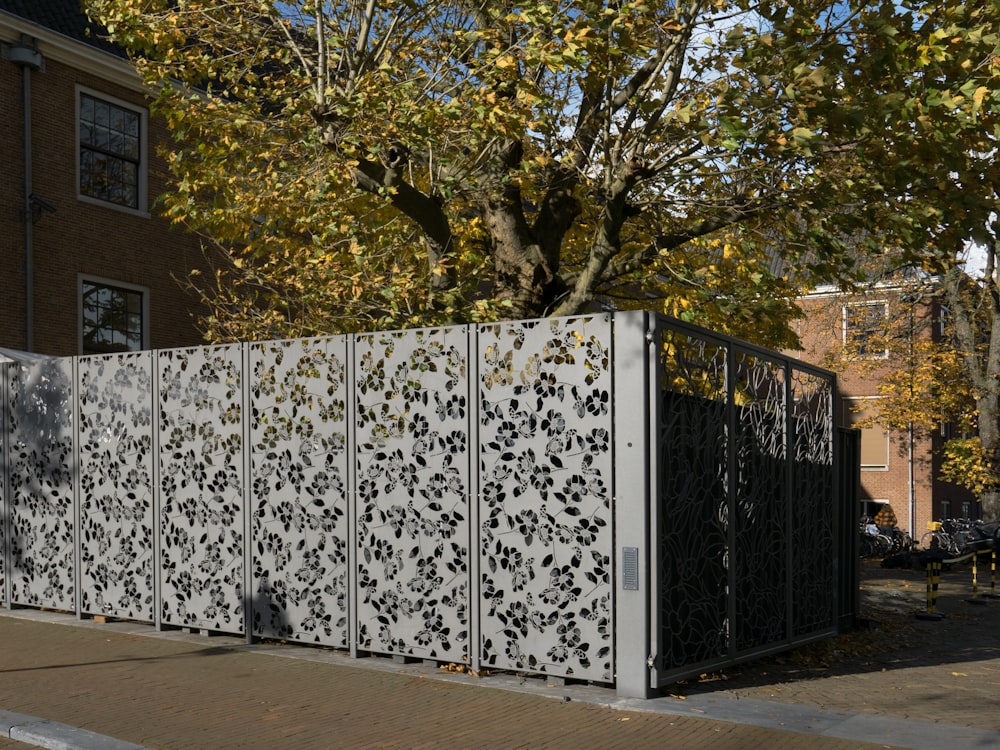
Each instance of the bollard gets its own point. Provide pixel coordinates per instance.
(975, 577)
(933, 579)
(993, 576)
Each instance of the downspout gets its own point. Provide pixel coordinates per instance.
(912, 499)
(913, 492)
(29, 59)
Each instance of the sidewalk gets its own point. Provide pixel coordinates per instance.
(173, 690)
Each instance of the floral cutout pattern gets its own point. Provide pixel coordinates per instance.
(4, 428)
(299, 472)
(412, 422)
(281, 436)
(545, 509)
(42, 534)
(116, 485)
(201, 515)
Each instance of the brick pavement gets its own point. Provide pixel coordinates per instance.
(173, 690)
(178, 691)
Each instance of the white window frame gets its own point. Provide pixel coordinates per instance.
(142, 186)
(88, 279)
(846, 330)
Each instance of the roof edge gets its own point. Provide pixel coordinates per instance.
(72, 52)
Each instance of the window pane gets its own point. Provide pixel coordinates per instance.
(864, 329)
(129, 196)
(110, 153)
(130, 148)
(86, 108)
(112, 318)
(105, 297)
(102, 114)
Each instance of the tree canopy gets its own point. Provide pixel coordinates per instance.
(934, 186)
(399, 162)
(404, 162)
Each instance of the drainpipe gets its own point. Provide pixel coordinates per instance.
(913, 491)
(29, 59)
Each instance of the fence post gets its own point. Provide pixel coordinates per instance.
(74, 397)
(634, 512)
(475, 640)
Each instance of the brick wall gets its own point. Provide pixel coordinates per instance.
(11, 205)
(81, 237)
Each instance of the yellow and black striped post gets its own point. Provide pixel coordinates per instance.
(975, 580)
(933, 580)
(993, 576)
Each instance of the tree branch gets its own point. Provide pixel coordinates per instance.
(419, 207)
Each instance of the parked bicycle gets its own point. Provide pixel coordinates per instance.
(883, 541)
(957, 536)
(872, 543)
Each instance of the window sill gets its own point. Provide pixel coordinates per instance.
(114, 206)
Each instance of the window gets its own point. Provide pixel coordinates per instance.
(874, 438)
(864, 329)
(943, 321)
(114, 317)
(871, 508)
(111, 151)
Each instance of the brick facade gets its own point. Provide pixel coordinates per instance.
(906, 481)
(82, 237)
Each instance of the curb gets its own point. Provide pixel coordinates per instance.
(51, 734)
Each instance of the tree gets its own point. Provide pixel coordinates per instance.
(933, 184)
(402, 162)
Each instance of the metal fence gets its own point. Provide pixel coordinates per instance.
(620, 498)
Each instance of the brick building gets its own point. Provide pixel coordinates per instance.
(899, 467)
(85, 264)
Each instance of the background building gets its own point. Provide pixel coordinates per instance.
(85, 264)
(898, 467)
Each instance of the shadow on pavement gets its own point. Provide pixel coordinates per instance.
(201, 652)
(894, 658)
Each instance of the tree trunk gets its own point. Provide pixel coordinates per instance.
(524, 278)
(990, 506)
(966, 303)
(989, 439)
